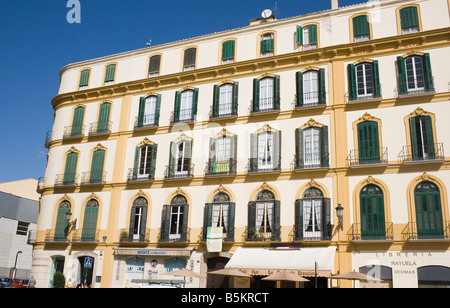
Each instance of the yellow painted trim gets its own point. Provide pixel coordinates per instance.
(419, 112)
(220, 189)
(226, 81)
(268, 187)
(223, 133)
(367, 118)
(413, 53)
(265, 75)
(300, 48)
(146, 141)
(219, 61)
(310, 68)
(399, 22)
(357, 200)
(258, 43)
(265, 128)
(411, 204)
(312, 184)
(362, 60)
(311, 123)
(350, 21)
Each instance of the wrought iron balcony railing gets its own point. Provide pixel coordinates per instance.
(66, 179)
(422, 153)
(126, 238)
(221, 168)
(147, 121)
(100, 128)
(76, 131)
(365, 232)
(260, 165)
(374, 156)
(86, 236)
(264, 105)
(311, 160)
(255, 235)
(140, 175)
(179, 171)
(439, 232)
(57, 236)
(183, 237)
(93, 178)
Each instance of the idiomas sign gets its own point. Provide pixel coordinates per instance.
(74, 14)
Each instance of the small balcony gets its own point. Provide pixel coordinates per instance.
(31, 237)
(255, 235)
(225, 111)
(93, 178)
(57, 236)
(310, 99)
(183, 237)
(436, 234)
(147, 121)
(422, 153)
(358, 158)
(311, 161)
(66, 180)
(48, 139)
(184, 116)
(125, 238)
(139, 175)
(86, 236)
(264, 105)
(383, 232)
(214, 168)
(73, 132)
(182, 171)
(100, 128)
(263, 165)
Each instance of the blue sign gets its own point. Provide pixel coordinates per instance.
(88, 262)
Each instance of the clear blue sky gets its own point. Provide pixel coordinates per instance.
(36, 41)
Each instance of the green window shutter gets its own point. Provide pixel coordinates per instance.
(253, 152)
(132, 222)
(153, 162)
(216, 101)
(228, 50)
(212, 155)
(207, 219)
(256, 89)
(84, 78)
(176, 114)
(414, 144)
(141, 112)
(322, 87)
(430, 138)
(325, 159)
(402, 84)
(137, 159)
(231, 215)
(299, 35)
(276, 231)
(313, 34)
(409, 17)
(326, 220)
(376, 77)
(299, 88)
(77, 122)
(184, 226)
(103, 117)
(299, 157)
(98, 160)
(195, 105)
(352, 87)
(143, 228)
(298, 234)
(277, 150)
(158, 109)
(372, 216)
(110, 73)
(361, 26)
(251, 227)
(429, 213)
(165, 223)
(235, 98)
(70, 168)
(90, 221)
(62, 226)
(173, 151)
(429, 82)
(276, 94)
(267, 45)
(368, 142)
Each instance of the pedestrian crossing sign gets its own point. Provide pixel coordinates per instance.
(88, 262)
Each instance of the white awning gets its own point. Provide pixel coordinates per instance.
(266, 261)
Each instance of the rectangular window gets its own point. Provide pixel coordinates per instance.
(183, 159)
(361, 28)
(110, 74)
(145, 161)
(266, 94)
(311, 146)
(312, 218)
(220, 216)
(267, 45)
(154, 66)
(310, 88)
(228, 52)
(409, 20)
(364, 80)
(150, 111)
(176, 222)
(226, 99)
(265, 151)
(84, 79)
(187, 98)
(415, 74)
(22, 228)
(264, 217)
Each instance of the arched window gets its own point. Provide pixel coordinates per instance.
(373, 223)
(220, 213)
(90, 221)
(138, 220)
(428, 211)
(174, 225)
(264, 217)
(312, 216)
(62, 226)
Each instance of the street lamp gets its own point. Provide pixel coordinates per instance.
(73, 224)
(15, 264)
(340, 215)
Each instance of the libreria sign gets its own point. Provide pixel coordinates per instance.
(74, 15)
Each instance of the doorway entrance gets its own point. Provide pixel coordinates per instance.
(217, 281)
(86, 270)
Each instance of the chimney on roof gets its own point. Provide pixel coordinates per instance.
(334, 4)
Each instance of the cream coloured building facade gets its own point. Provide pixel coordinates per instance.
(262, 130)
